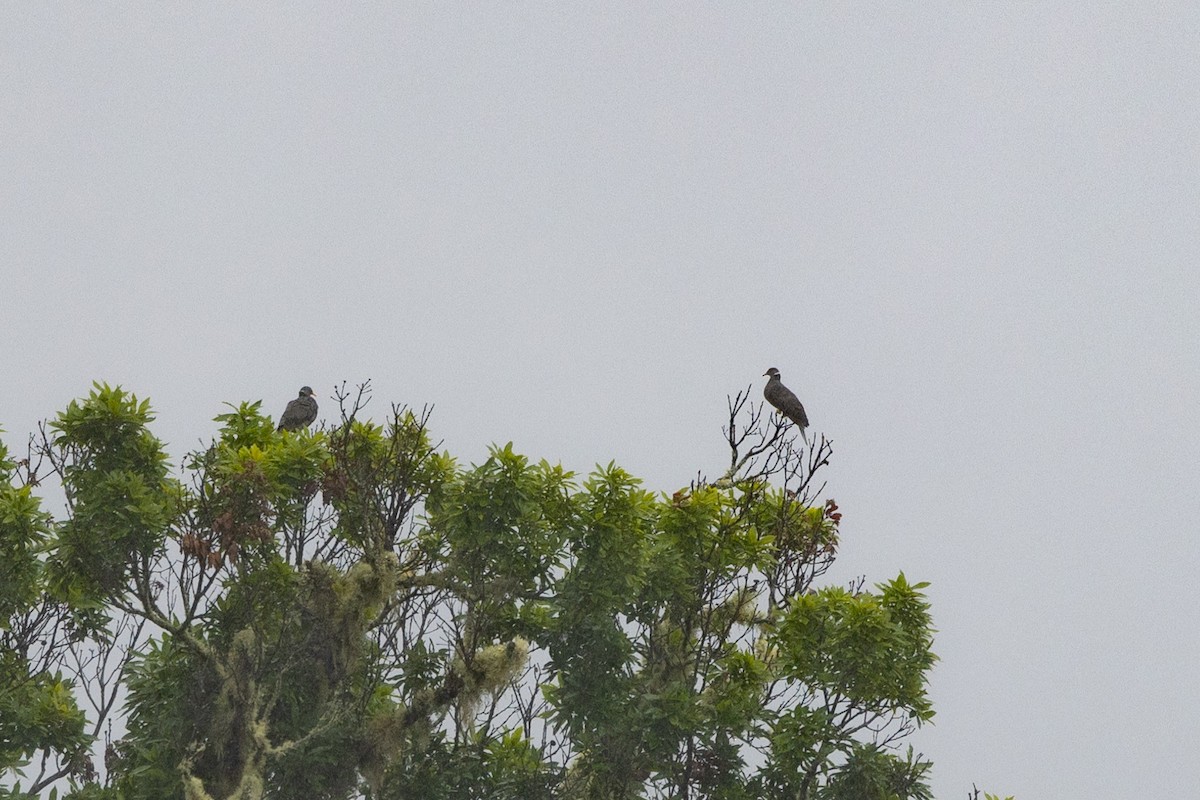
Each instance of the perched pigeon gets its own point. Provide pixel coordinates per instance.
(788, 404)
(299, 413)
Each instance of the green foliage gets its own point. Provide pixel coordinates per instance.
(871, 650)
(93, 791)
(37, 712)
(37, 706)
(501, 521)
(349, 610)
(871, 773)
(24, 527)
(115, 477)
(245, 426)
(169, 706)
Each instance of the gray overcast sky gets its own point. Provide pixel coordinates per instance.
(967, 234)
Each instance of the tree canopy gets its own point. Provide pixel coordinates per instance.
(351, 612)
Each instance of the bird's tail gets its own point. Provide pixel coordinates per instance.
(805, 436)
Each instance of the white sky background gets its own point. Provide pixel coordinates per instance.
(968, 238)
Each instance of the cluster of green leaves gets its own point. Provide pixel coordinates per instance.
(349, 610)
(37, 706)
(114, 472)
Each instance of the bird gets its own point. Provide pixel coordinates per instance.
(299, 413)
(785, 401)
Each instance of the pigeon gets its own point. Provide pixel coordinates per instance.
(299, 413)
(787, 403)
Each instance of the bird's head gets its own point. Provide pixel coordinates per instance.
(772, 373)
(306, 391)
